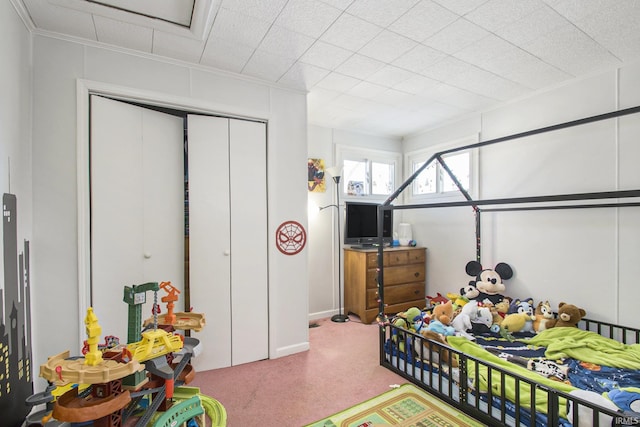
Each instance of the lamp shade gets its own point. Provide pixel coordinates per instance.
(333, 171)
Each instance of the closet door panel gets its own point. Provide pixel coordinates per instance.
(132, 200)
(249, 298)
(163, 186)
(209, 237)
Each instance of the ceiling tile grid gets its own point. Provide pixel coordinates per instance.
(415, 62)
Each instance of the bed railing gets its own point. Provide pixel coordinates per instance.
(442, 370)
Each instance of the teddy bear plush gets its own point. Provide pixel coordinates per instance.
(568, 316)
(489, 282)
(441, 317)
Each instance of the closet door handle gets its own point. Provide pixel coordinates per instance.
(226, 252)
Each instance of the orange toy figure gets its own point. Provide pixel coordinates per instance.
(172, 295)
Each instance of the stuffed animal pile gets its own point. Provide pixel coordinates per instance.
(481, 307)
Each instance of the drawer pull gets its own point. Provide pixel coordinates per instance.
(417, 274)
(416, 292)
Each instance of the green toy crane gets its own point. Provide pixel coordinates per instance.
(135, 296)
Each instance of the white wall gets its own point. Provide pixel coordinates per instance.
(15, 125)
(57, 66)
(323, 240)
(587, 257)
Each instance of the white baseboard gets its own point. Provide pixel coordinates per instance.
(292, 349)
(322, 314)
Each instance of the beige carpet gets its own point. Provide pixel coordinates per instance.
(406, 405)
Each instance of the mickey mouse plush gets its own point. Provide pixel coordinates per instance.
(488, 281)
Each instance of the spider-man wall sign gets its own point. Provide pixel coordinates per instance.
(290, 237)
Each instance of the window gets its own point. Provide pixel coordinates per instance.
(434, 181)
(368, 173)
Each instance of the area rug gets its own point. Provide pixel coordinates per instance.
(406, 405)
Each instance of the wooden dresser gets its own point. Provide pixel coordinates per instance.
(404, 280)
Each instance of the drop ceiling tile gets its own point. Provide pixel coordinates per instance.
(366, 90)
(395, 97)
(390, 76)
(456, 36)
(574, 10)
(524, 68)
(380, 12)
(123, 34)
(237, 27)
(460, 7)
(484, 50)
(419, 58)
(617, 28)
(303, 76)
(572, 51)
(488, 84)
(340, 4)
(387, 46)
(309, 17)
(359, 66)
(283, 42)
(320, 96)
(532, 26)
(174, 46)
(224, 55)
(267, 66)
(354, 103)
(416, 84)
(446, 69)
(261, 9)
(338, 82)
(423, 20)
(325, 55)
(457, 97)
(350, 32)
(496, 14)
(49, 17)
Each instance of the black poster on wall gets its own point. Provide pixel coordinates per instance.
(15, 321)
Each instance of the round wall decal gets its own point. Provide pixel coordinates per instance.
(290, 237)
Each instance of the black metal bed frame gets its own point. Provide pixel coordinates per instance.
(606, 199)
(488, 406)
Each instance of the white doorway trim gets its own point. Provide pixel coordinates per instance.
(85, 88)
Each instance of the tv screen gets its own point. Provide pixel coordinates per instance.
(361, 224)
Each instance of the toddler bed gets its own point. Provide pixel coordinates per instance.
(508, 383)
(597, 384)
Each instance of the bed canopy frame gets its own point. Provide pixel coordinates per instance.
(558, 201)
(433, 382)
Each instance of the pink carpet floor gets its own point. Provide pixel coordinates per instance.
(340, 370)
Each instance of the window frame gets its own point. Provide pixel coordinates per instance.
(424, 154)
(360, 154)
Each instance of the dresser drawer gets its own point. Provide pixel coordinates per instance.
(372, 259)
(397, 294)
(397, 275)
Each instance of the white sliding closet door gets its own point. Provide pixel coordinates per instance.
(228, 239)
(137, 206)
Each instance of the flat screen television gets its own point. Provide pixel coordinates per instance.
(361, 224)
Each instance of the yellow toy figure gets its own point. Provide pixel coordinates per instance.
(94, 355)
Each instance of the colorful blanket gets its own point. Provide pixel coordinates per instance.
(468, 347)
(586, 346)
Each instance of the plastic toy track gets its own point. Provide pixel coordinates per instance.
(61, 370)
(155, 343)
(184, 321)
(73, 409)
(181, 412)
